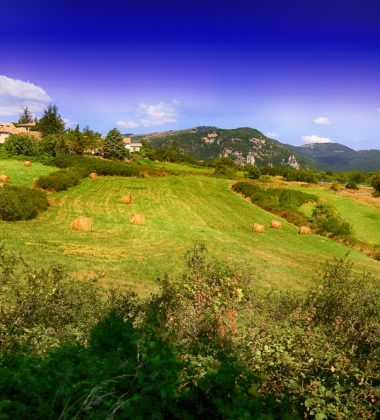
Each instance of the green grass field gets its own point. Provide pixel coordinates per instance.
(21, 175)
(178, 210)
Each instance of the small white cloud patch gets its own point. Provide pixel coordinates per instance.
(152, 115)
(272, 134)
(316, 139)
(322, 121)
(15, 94)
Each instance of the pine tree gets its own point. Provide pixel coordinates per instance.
(114, 146)
(26, 117)
(51, 122)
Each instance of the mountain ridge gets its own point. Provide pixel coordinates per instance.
(248, 145)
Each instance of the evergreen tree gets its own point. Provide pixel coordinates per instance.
(114, 146)
(51, 122)
(26, 117)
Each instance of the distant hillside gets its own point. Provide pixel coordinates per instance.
(337, 157)
(244, 145)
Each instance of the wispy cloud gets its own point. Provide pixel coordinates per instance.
(273, 134)
(16, 94)
(322, 120)
(152, 115)
(316, 139)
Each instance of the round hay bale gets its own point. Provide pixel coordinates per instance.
(27, 163)
(257, 228)
(137, 219)
(274, 224)
(304, 230)
(126, 199)
(4, 178)
(82, 223)
(93, 175)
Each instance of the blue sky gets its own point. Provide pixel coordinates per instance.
(299, 70)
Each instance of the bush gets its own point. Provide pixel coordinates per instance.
(272, 199)
(336, 186)
(252, 172)
(327, 220)
(18, 203)
(352, 185)
(62, 180)
(348, 303)
(18, 144)
(375, 182)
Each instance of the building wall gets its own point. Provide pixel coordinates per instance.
(3, 137)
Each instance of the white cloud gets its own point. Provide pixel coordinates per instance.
(127, 124)
(322, 120)
(152, 115)
(316, 139)
(16, 94)
(272, 134)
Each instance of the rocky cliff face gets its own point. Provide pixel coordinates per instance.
(244, 145)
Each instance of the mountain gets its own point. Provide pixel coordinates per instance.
(337, 157)
(244, 145)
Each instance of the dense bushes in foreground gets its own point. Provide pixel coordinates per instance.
(18, 203)
(205, 346)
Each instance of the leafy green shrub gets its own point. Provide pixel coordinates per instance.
(352, 185)
(327, 220)
(292, 216)
(265, 178)
(252, 172)
(272, 199)
(348, 303)
(375, 182)
(62, 180)
(302, 175)
(336, 186)
(17, 203)
(18, 144)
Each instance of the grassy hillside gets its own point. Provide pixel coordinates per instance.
(178, 210)
(21, 175)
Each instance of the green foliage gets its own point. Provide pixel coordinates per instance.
(169, 153)
(302, 175)
(20, 144)
(224, 168)
(113, 146)
(78, 142)
(375, 182)
(131, 367)
(62, 180)
(205, 346)
(356, 177)
(352, 185)
(26, 116)
(18, 203)
(327, 220)
(50, 122)
(200, 309)
(283, 202)
(252, 172)
(51, 146)
(348, 304)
